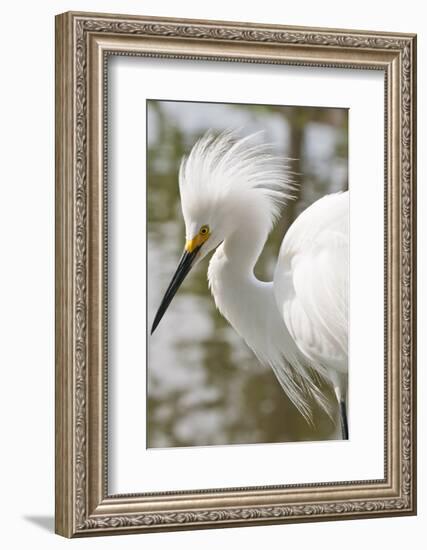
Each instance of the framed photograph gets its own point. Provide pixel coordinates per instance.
(235, 274)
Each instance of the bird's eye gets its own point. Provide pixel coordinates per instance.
(204, 230)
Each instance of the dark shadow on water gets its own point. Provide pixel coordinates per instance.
(44, 522)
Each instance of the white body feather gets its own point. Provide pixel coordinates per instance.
(311, 281)
(296, 324)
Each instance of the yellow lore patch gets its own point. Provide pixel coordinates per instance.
(198, 240)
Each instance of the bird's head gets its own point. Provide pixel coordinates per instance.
(223, 181)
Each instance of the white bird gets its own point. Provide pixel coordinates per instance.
(231, 193)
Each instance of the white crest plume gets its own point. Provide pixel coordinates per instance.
(227, 172)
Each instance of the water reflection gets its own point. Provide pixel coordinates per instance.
(205, 387)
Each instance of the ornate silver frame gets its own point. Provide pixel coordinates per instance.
(83, 42)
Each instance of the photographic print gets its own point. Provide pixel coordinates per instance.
(247, 270)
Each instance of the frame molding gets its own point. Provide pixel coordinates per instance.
(83, 43)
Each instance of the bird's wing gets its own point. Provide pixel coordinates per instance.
(311, 282)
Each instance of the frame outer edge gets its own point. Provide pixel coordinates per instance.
(249, 25)
(413, 229)
(415, 267)
(64, 237)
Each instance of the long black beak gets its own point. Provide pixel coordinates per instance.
(185, 264)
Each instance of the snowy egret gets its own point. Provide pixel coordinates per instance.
(232, 191)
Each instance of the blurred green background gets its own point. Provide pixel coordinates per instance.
(205, 386)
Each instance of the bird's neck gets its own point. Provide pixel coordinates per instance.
(242, 299)
(243, 247)
(250, 307)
